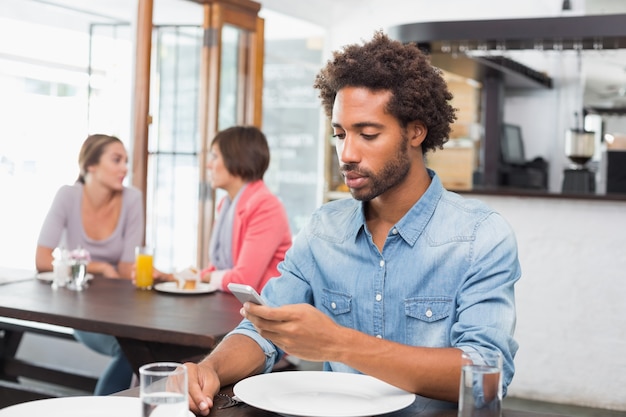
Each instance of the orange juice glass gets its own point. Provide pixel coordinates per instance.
(143, 267)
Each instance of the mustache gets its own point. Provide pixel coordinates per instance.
(345, 168)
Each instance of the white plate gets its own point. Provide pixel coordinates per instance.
(106, 406)
(172, 287)
(49, 276)
(322, 394)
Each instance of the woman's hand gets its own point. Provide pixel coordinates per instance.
(157, 275)
(103, 268)
(162, 276)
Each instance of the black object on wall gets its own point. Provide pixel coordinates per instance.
(514, 170)
(616, 172)
(568, 32)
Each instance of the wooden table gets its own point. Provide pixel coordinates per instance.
(151, 326)
(248, 411)
(244, 410)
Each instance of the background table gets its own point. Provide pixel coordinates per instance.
(151, 326)
(143, 321)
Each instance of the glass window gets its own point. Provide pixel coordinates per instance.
(71, 83)
(44, 105)
(292, 118)
(172, 190)
(229, 80)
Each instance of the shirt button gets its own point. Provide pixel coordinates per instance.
(379, 297)
(382, 263)
(429, 313)
(394, 231)
(333, 305)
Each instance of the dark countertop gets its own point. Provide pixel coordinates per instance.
(521, 192)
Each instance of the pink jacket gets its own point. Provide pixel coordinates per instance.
(261, 236)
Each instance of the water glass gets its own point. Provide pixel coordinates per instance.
(143, 267)
(78, 275)
(78, 261)
(163, 390)
(480, 393)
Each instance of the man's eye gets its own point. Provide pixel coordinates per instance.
(339, 135)
(369, 137)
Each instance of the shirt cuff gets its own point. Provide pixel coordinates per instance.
(217, 279)
(272, 355)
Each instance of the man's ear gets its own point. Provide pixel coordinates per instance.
(417, 133)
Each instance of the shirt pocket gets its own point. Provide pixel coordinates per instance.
(428, 321)
(338, 306)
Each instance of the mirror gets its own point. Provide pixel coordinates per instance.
(543, 74)
(604, 79)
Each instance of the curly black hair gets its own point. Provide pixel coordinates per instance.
(418, 89)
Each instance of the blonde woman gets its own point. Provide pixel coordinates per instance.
(106, 218)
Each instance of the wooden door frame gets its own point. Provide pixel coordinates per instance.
(242, 14)
(216, 15)
(141, 99)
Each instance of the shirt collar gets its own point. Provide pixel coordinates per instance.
(412, 224)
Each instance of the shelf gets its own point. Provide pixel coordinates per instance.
(514, 74)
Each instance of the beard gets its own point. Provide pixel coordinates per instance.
(392, 173)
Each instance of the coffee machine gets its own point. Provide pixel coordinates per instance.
(579, 148)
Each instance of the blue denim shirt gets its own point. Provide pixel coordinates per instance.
(445, 276)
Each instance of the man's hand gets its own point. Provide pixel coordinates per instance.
(298, 329)
(203, 385)
(234, 358)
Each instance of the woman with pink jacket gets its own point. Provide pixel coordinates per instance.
(251, 232)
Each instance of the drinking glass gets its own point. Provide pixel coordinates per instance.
(78, 261)
(78, 275)
(480, 393)
(163, 390)
(144, 267)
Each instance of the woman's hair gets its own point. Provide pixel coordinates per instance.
(419, 92)
(245, 151)
(91, 152)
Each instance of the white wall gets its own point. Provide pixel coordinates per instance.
(570, 300)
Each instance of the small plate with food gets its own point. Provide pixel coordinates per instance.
(186, 281)
(174, 287)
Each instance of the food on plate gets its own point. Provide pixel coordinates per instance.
(189, 284)
(188, 278)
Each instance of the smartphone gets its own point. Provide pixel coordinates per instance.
(245, 293)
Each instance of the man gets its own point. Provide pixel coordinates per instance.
(398, 281)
